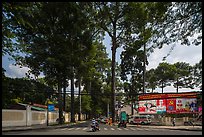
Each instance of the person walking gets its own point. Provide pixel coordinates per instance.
(173, 121)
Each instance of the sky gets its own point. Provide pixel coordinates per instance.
(181, 53)
(190, 54)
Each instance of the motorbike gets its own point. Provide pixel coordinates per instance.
(122, 124)
(94, 127)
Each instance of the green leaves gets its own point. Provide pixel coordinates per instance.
(181, 22)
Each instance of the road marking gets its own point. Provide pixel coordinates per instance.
(132, 128)
(63, 128)
(126, 129)
(78, 128)
(70, 128)
(85, 128)
(119, 128)
(146, 129)
(112, 128)
(105, 128)
(139, 129)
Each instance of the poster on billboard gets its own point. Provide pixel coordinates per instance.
(171, 106)
(147, 107)
(186, 105)
(181, 105)
(161, 106)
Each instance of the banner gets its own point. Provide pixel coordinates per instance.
(174, 105)
(186, 105)
(147, 107)
(171, 106)
(155, 96)
(182, 105)
(161, 106)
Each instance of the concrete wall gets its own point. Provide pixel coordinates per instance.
(168, 121)
(29, 117)
(13, 118)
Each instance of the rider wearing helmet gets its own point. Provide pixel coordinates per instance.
(94, 122)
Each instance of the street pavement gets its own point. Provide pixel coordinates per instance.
(44, 126)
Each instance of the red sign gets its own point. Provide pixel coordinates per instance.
(171, 106)
(152, 96)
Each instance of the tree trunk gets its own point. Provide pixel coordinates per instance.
(79, 99)
(60, 103)
(177, 85)
(72, 98)
(132, 109)
(113, 78)
(64, 95)
(144, 69)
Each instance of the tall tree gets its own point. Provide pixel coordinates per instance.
(182, 75)
(197, 75)
(165, 74)
(151, 79)
(11, 18)
(110, 17)
(52, 40)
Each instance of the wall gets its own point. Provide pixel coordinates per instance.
(168, 121)
(29, 117)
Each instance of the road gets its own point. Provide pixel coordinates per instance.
(84, 129)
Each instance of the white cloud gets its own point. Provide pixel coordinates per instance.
(181, 53)
(17, 71)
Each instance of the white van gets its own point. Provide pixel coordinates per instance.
(140, 119)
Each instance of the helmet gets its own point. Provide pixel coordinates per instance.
(93, 119)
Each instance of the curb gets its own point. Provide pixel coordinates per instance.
(7, 129)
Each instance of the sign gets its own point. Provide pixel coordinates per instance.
(51, 107)
(171, 106)
(182, 105)
(147, 107)
(161, 106)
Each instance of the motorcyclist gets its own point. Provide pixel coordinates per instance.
(95, 123)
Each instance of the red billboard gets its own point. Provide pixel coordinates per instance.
(174, 105)
(152, 106)
(155, 96)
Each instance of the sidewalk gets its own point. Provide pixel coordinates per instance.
(43, 126)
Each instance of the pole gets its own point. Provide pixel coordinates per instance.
(47, 115)
(108, 110)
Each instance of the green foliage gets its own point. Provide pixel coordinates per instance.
(164, 73)
(16, 100)
(151, 79)
(17, 90)
(182, 75)
(197, 75)
(182, 21)
(86, 103)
